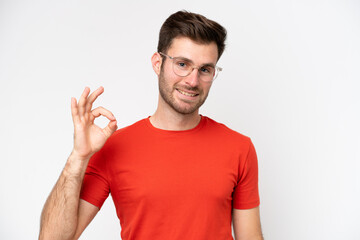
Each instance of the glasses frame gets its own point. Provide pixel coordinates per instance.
(217, 69)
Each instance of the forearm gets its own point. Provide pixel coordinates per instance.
(246, 223)
(59, 217)
(257, 237)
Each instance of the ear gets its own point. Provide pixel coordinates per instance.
(156, 62)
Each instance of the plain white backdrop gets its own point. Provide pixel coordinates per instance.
(290, 82)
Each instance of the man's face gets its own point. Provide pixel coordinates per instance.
(185, 95)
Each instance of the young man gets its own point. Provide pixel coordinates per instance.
(174, 175)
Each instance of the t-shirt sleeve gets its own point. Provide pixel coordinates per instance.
(246, 192)
(96, 188)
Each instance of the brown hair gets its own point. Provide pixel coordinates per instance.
(194, 26)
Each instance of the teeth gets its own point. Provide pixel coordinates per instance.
(187, 94)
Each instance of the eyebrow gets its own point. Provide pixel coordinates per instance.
(191, 61)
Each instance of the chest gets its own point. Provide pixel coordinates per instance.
(154, 173)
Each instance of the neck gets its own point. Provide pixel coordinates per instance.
(167, 118)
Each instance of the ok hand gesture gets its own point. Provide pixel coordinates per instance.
(88, 137)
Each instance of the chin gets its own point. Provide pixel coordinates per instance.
(180, 108)
(185, 111)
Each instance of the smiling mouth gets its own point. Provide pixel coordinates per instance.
(187, 93)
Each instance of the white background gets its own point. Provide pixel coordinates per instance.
(290, 82)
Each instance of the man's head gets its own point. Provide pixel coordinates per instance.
(194, 26)
(199, 43)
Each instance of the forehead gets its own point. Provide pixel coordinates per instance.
(199, 53)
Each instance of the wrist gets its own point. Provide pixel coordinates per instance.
(79, 157)
(76, 165)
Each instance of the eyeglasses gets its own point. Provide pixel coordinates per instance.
(183, 67)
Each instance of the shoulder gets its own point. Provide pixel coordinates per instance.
(221, 130)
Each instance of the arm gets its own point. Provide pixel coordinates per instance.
(64, 215)
(246, 223)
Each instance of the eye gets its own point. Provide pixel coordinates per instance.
(181, 64)
(207, 70)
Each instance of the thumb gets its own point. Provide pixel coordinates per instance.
(110, 128)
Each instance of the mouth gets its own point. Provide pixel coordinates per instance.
(189, 94)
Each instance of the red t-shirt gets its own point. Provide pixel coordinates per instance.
(174, 184)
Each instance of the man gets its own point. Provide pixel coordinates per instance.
(174, 175)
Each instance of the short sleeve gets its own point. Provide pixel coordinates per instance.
(246, 192)
(96, 188)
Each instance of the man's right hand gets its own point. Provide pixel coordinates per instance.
(64, 215)
(88, 137)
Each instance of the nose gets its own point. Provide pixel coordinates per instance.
(193, 78)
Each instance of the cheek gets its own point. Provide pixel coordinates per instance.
(171, 80)
(166, 82)
(206, 87)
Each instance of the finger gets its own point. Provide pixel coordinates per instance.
(82, 101)
(104, 112)
(74, 110)
(110, 128)
(93, 97)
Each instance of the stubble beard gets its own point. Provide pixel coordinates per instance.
(166, 92)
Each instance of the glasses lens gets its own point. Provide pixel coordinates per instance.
(207, 73)
(181, 67)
